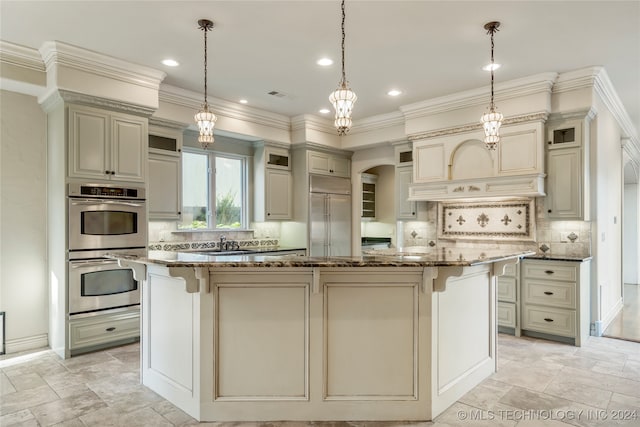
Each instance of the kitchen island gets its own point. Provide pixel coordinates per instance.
(264, 338)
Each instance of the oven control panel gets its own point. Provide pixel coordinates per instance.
(105, 191)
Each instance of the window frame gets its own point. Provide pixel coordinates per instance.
(212, 155)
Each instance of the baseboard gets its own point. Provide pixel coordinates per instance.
(28, 343)
(601, 325)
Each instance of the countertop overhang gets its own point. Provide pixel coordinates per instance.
(427, 257)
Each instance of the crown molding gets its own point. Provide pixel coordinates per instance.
(311, 122)
(21, 56)
(607, 93)
(192, 100)
(54, 96)
(538, 83)
(166, 123)
(472, 127)
(55, 53)
(320, 147)
(381, 121)
(583, 78)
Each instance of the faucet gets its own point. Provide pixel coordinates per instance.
(223, 243)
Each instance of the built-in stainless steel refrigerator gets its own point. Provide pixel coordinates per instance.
(330, 216)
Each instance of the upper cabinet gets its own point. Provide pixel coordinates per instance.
(458, 165)
(405, 208)
(106, 145)
(273, 183)
(567, 168)
(165, 173)
(328, 164)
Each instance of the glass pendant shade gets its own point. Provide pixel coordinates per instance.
(491, 122)
(342, 100)
(206, 120)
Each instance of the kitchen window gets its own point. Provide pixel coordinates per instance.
(214, 190)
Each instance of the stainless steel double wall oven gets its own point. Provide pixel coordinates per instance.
(103, 218)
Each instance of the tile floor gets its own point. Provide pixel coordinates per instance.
(539, 383)
(626, 324)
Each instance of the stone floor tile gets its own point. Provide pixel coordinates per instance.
(580, 393)
(26, 399)
(27, 381)
(70, 423)
(463, 415)
(524, 375)
(82, 361)
(17, 418)
(607, 355)
(6, 386)
(486, 395)
(124, 393)
(107, 417)
(522, 398)
(68, 408)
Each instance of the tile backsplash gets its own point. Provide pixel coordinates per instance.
(560, 237)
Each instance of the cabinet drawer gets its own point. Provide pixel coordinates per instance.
(506, 313)
(551, 293)
(555, 321)
(506, 289)
(550, 271)
(103, 329)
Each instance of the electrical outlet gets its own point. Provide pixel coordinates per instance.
(564, 236)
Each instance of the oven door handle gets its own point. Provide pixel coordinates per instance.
(81, 264)
(85, 202)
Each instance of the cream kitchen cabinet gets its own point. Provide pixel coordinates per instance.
(508, 309)
(164, 191)
(405, 208)
(106, 145)
(273, 184)
(328, 164)
(165, 186)
(555, 299)
(368, 211)
(567, 170)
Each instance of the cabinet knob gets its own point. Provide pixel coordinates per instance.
(413, 213)
(179, 213)
(113, 172)
(546, 319)
(107, 172)
(331, 170)
(549, 271)
(549, 143)
(549, 211)
(111, 329)
(268, 214)
(548, 293)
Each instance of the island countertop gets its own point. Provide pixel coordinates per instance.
(414, 257)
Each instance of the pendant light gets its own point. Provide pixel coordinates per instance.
(205, 119)
(343, 97)
(491, 120)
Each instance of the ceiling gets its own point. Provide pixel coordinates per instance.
(426, 49)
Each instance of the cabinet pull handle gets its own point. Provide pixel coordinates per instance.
(549, 271)
(548, 293)
(546, 319)
(110, 329)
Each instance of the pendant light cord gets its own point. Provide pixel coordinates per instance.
(344, 79)
(492, 31)
(205, 26)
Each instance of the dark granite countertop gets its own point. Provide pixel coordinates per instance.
(415, 257)
(554, 257)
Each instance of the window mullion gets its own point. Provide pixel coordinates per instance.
(211, 172)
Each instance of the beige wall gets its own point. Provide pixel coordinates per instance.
(23, 218)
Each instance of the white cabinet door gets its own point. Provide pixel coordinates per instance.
(278, 194)
(564, 184)
(89, 148)
(165, 182)
(105, 145)
(327, 164)
(405, 209)
(128, 145)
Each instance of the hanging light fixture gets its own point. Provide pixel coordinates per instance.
(205, 119)
(491, 120)
(343, 97)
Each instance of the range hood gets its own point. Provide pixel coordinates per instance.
(458, 166)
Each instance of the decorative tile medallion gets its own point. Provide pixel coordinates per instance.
(494, 220)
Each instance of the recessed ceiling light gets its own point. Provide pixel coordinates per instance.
(170, 62)
(324, 62)
(243, 101)
(324, 111)
(394, 92)
(489, 66)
